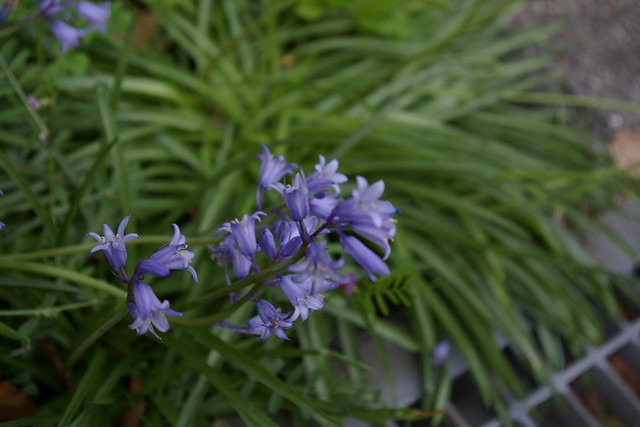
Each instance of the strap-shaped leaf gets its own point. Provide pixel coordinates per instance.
(258, 372)
(246, 409)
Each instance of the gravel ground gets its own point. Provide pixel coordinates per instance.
(600, 46)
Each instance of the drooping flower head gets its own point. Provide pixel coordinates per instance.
(300, 295)
(148, 312)
(66, 26)
(272, 169)
(326, 175)
(173, 256)
(296, 197)
(67, 35)
(319, 269)
(243, 233)
(53, 7)
(363, 256)
(97, 15)
(368, 216)
(269, 321)
(114, 245)
(6, 7)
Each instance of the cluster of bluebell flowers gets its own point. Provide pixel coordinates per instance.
(1, 223)
(66, 17)
(311, 214)
(147, 311)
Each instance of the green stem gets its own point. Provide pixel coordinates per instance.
(79, 351)
(221, 315)
(243, 283)
(85, 247)
(72, 276)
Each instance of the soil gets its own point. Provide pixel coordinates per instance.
(600, 53)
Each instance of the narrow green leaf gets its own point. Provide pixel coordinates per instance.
(260, 373)
(250, 413)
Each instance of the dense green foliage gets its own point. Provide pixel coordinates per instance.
(162, 119)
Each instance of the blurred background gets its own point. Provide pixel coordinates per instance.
(506, 132)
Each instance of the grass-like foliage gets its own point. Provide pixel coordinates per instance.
(162, 117)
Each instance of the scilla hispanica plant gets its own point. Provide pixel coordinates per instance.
(293, 238)
(160, 118)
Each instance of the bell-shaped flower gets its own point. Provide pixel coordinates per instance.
(272, 168)
(67, 35)
(296, 197)
(173, 256)
(53, 7)
(6, 7)
(300, 294)
(365, 257)
(96, 14)
(243, 233)
(325, 176)
(148, 312)
(323, 205)
(318, 269)
(114, 245)
(269, 321)
(268, 243)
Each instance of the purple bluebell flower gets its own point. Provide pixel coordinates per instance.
(6, 7)
(268, 243)
(269, 321)
(173, 256)
(301, 296)
(368, 216)
(53, 7)
(243, 233)
(272, 169)
(296, 197)
(147, 310)
(440, 352)
(325, 176)
(323, 205)
(319, 269)
(96, 14)
(365, 257)
(228, 251)
(2, 224)
(67, 35)
(114, 245)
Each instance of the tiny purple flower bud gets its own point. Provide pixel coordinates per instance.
(440, 352)
(114, 245)
(96, 14)
(147, 311)
(268, 243)
(349, 286)
(34, 102)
